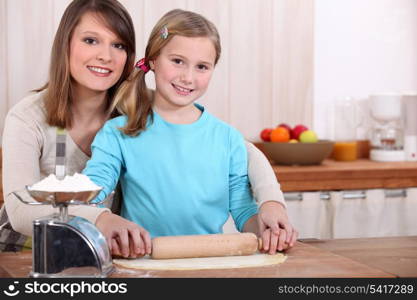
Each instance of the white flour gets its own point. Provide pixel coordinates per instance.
(76, 183)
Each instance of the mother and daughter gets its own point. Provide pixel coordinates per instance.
(181, 170)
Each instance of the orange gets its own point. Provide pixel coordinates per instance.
(280, 134)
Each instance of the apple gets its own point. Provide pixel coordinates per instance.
(285, 125)
(297, 130)
(266, 134)
(292, 141)
(308, 136)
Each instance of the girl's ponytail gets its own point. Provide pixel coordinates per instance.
(134, 100)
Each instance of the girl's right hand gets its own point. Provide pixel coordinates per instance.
(124, 237)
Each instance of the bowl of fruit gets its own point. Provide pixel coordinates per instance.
(294, 146)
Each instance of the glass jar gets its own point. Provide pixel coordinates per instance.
(346, 122)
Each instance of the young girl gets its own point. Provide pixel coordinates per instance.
(182, 170)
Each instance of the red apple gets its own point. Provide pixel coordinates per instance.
(297, 130)
(285, 125)
(266, 134)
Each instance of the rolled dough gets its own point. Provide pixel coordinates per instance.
(226, 262)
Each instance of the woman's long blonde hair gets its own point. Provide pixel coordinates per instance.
(134, 99)
(58, 90)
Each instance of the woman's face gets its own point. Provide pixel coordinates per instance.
(97, 55)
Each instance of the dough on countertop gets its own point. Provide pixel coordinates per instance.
(226, 262)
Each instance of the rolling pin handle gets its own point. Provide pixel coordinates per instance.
(260, 244)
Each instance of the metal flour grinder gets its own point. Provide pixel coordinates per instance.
(64, 245)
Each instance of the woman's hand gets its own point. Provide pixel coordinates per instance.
(124, 237)
(274, 227)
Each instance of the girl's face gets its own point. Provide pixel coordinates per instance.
(183, 70)
(97, 56)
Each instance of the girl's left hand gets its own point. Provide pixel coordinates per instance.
(274, 227)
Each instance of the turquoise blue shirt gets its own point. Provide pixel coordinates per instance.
(176, 179)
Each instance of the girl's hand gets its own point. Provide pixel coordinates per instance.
(124, 237)
(274, 227)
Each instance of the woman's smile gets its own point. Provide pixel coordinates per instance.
(99, 71)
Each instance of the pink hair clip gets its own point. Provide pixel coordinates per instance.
(142, 65)
(164, 32)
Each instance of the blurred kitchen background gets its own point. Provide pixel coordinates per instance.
(283, 61)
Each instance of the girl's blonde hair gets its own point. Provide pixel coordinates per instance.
(58, 94)
(134, 99)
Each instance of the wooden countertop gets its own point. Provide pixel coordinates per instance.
(373, 257)
(335, 175)
(394, 255)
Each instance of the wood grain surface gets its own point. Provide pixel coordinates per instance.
(331, 258)
(303, 261)
(359, 174)
(395, 255)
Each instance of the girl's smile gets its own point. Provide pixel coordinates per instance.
(181, 90)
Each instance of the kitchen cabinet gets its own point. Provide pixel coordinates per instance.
(354, 175)
(356, 199)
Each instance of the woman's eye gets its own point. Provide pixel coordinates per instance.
(90, 41)
(119, 46)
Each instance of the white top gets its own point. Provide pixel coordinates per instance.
(29, 147)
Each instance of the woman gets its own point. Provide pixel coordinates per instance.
(93, 52)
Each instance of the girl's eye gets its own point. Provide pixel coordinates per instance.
(202, 67)
(177, 61)
(119, 46)
(90, 41)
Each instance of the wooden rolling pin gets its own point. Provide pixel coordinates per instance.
(187, 246)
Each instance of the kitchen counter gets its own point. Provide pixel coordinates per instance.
(336, 175)
(372, 257)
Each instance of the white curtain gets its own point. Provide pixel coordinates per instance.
(310, 216)
(264, 75)
(375, 214)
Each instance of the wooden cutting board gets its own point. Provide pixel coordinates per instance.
(303, 261)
